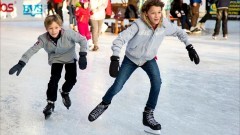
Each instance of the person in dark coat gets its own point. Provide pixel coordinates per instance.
(180, 10)
(222, 15)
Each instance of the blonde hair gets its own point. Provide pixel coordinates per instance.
(52, 18)
(146, 6)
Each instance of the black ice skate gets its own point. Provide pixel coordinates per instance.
(151, 125)
(97, 111)
(65, 98)
(48, 109)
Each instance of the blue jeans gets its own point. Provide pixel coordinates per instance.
(72, 16)
(125, 71)
(184, 21)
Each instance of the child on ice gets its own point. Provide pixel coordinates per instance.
(83, 14)
(143, 39)
(60, 46)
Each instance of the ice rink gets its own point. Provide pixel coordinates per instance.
(194, 99)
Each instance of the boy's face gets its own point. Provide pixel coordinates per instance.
(54, 29)
(154, 14)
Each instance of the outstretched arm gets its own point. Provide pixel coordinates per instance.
(174, 30)
(25, 57)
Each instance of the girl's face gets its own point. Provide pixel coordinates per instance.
(154, 14)
(54, 29)
(85, 5)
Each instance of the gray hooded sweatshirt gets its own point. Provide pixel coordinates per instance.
(143, 41)
(62, 52)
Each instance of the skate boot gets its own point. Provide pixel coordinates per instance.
(48, 109)
(90, 45)
(225, 36)
(97, 111)
(65, 98)
(151, 125)
(214, 36)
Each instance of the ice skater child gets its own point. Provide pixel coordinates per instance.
(83, 14)
(60, 46)
(143, 39)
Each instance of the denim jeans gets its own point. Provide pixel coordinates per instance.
(222, 15)
(72, 17)
(125, 71)
(184, 21)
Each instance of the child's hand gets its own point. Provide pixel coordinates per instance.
(17, 68)
(193, 54)
(82, 62)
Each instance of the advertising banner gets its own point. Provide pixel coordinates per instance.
(22, 9)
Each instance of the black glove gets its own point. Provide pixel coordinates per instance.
(193, 54)
(114, 65)
(17, 68)
(82, 62)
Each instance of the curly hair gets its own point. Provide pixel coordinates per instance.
(149, 3)
(146, 6)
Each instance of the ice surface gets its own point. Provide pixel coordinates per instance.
(194, 99)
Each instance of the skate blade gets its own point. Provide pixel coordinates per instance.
(152, 132)
(64, 103)
(47, 116)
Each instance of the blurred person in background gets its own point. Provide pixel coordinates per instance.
(71, 7)
(222, 15)
(96, 19)
(58, 5)
(195, 5)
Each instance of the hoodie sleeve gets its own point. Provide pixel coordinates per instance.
(123, 38)
(172, 29)
(31, 51)
(81, 40)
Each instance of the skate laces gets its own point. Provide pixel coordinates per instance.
(98, 110)
(49, 106)
(150, 118)
(65, 95)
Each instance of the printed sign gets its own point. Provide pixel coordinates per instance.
(32, 10)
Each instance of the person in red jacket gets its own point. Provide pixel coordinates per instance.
(108, 10)
(83, 14)
(58, 5)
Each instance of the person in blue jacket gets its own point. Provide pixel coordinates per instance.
(143, 39)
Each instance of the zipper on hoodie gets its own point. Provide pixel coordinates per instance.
(146, 49)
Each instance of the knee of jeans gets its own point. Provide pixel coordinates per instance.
(156, 81)
(118, 84)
